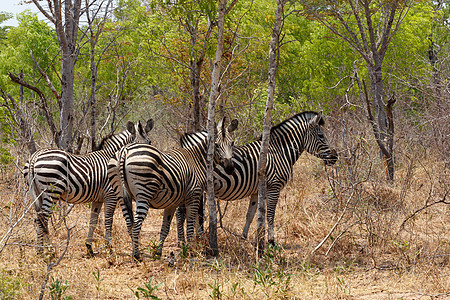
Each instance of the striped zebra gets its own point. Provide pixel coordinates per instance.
(165, 180)
(54, 174)
(287, 142)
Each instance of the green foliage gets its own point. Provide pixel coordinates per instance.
(9, 286)
(31, 35)
(184, 253)
(270, 275)
(58, 288)
(153, 248)
(5, 157)
(98, 281)
(270, 281)
(4, 16)
(148, 291)
(216, 290)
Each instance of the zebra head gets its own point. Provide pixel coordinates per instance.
(139, 132)
(224, 144)
(316, 143)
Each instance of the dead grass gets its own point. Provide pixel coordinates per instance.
(371, 254)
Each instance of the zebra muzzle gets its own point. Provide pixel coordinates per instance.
(229, 166)
(331, 158)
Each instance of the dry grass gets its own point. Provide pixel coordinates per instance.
(371, 254)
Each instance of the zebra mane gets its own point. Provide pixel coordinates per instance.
(298, 118)
(189, 139)
(108, 139)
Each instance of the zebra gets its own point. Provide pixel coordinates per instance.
(54, 174)
(165, 180)
(287, 142)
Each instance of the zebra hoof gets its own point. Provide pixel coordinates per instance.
(158, 253)
(90, 252)
(137, 257)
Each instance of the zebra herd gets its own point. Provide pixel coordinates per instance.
(128, 168)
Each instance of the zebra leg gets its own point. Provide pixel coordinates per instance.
(191, 213)
(200, 225)
(181, 216)
(95, 210)
(141, 212)
(168, 215)
(41, 231)
(272, 200)
(127, 211)
(43, 214)
(253, 204)
(110, 207)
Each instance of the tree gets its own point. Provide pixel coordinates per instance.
(368, 27)
(66, 21)
(4, 16)
(262, 188)
(213, 95)
(26, 44)
(214, 92)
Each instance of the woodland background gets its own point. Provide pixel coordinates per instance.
(383, 237)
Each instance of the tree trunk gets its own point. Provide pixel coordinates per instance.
(385, 131)
(262, 188)
(196, 67)
(67, 37)
(215, 78)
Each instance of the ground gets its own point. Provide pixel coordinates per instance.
(367, 256)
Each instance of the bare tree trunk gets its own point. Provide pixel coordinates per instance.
(93, 39)
(196, 68)
(92, 103)
(67, 38)
(215, 78)
(385, 130)
(262, 188)
(66, 31)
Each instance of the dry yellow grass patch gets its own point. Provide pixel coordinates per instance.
(368, 255)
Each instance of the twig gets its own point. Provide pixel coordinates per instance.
(336, 224)
(7, 234)
(50, 266)
(339, 236)
(425, 207)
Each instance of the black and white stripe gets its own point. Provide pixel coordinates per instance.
(54, 174)
(165, 180)
(287, 142)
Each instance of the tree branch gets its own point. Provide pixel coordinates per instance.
(49, 83)
(425, 207)
(43, 106)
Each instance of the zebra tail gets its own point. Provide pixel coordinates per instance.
(127, 200)
(128, 203)
(30, 178)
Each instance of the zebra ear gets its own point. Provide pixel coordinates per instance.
(221, 123)
(149, 126)
(130, 127)
(233, 125)
(216, 128)
(316, 120)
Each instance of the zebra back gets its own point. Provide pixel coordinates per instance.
(55, 163)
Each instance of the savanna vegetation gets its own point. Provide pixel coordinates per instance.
(373, 226)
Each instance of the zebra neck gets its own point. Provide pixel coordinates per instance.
(289, 145)
(198, 153)
(114, 143)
